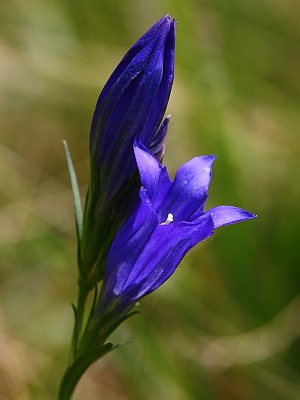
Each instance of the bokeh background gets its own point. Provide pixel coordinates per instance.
(227, 325)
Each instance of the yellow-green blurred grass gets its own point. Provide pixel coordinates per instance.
(226, 325)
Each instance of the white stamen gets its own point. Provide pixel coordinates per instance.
(170, 218)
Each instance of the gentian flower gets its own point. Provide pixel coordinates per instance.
(168, 221)
(138, 224)
(132, 102)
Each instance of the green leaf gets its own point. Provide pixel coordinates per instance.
(78, 368)
(75, 192)
(94, 304)
(118, 322)
(75, 334)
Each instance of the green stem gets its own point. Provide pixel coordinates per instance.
(83, 293)
(68, 384)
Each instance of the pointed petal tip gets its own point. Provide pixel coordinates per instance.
(174, 21)
(139, 148)
(211, 157)
(169, 16)
(168, 19)
(147, 162)
(206, 161)
(137, 144)
(226, 215)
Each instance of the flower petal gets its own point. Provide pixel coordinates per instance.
(126, 247)
(225, 215)
(149, 36)
(153, 176)
(161, 98)
(161, 255)
(146, 100)
(188, 193)
(133, 102)
(113, 104)
(157, 146)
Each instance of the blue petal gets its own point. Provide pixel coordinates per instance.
(126, 248)
(146, 102)
(186, 197)
(109, 115)
(225, 215)
(133, 102)
(148, 37)
(153, 176)
(161, 98)
(161, 255)
(158, 144)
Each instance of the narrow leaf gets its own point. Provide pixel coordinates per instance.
(118, 323)
(75, 192)
(78, 368)
(75, 334)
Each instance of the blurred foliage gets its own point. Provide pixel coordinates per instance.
(227, 325)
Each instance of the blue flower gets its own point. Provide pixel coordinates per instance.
(169, 220)
(132, 103)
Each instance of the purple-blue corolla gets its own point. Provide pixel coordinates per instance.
(133, 102)
(168, 221)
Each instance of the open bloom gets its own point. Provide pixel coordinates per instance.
(169, 220)
(132, 103)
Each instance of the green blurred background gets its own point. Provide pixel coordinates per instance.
(227, 325)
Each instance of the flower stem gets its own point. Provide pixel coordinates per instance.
(83, 293)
